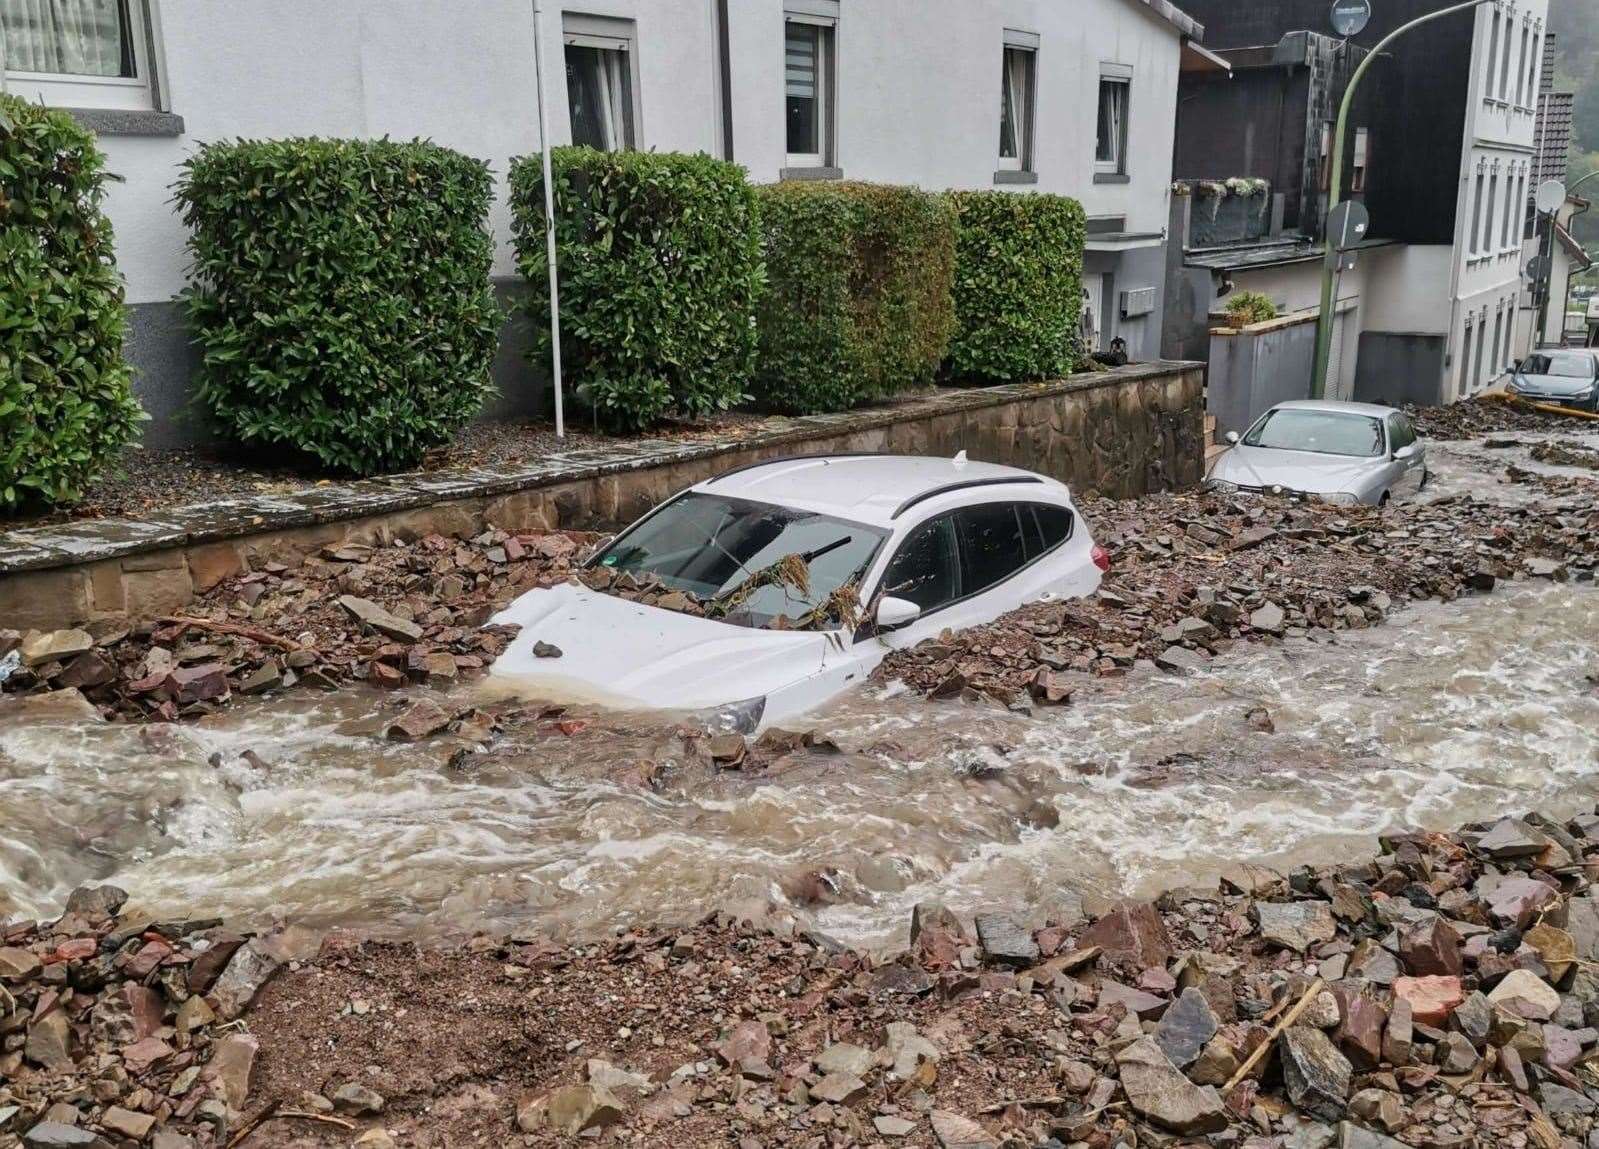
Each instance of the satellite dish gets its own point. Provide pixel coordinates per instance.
(1551, 194)
(1350, 17)
(1347, 225)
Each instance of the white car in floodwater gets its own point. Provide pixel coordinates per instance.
(926, 544)
(1325, 450)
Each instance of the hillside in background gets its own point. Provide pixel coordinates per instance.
(1575, 24)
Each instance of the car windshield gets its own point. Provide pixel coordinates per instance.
(1563, 365)
(1324, 432)
(745, 562)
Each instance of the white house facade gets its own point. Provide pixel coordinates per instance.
(1075, 98)
(1496, 186)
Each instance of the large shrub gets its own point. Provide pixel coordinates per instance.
(341, 294)
(858, 300)
(66, 407)
(660, 269)
(1018, 285)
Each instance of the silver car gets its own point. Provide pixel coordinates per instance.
(1324, 450)
(1566, 376)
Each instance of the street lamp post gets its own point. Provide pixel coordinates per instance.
(1335, 194)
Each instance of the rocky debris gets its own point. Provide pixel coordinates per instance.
(1158, 1091)
(1471, 418)
(1132, 1029)
(405, 613)
(108, 1038)
(1005, 940)
(1566, 454)
(1295, 925)
(1194, 572)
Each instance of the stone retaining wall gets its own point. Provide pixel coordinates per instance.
(1121, 433)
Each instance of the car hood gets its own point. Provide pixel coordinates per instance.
(1552, 384)
(621, 653)
(1293, 470)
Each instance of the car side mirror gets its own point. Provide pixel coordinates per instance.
(1232, 437)
(896, 613)
(1408, 451)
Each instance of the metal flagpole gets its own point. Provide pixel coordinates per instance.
(549, 224)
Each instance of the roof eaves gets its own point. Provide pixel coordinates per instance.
(1174, 16)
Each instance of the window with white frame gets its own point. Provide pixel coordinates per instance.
(1463, 384)
(601, 89)
(1488, 215)
(1493, 56)
(78, 53)
(1534, 60)
(1493, 364)
(1482, 347)
(1510, 210)
(1504, 70)
(1115, 104)
(1521, 69)
(1362, 159)
(1476, 213)
(1017, 101)
(809, 83)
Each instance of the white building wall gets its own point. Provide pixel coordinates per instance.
(1495, 171)
(918, 93)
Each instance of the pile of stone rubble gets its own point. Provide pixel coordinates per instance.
(1193, 572)
(385, 615)
(123, 1030)
(1442, 995)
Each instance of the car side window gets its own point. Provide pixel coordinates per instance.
(993, 544)
(1054, 524)
(1400, 432)
(926, 568)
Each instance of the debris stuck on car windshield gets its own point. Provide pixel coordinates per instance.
(839, 610)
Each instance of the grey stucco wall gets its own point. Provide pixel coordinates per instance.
(1252, 371)
(165, 359)
(1400, 367)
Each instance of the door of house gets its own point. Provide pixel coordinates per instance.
(1097, 311)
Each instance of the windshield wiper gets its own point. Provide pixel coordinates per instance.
(811, 556)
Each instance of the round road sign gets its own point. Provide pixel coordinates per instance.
(1350, 17)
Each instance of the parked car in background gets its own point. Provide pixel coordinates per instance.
(1569, 377)
(1326, 450)
(718, 601)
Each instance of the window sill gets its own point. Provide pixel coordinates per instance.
(788, 175)
(125, 122)
(1007, 176)
(1112, 178)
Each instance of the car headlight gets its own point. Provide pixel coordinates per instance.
(733, 718)
(1339, 499)
(1221, 486)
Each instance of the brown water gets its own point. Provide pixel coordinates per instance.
(1143, 783)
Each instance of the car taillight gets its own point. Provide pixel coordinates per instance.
(1101, 557)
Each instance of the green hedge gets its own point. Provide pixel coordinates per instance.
(66, 405)
(858, 304)
(341, 295)
(1018, 286)
(660, 268)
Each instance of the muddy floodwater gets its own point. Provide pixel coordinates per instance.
(1447, 714)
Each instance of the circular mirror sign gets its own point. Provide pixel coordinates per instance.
(1551, 196)
(1350, 17)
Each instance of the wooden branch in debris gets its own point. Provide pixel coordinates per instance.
(272, 1112)
(1271, 1039)
(255, 634)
